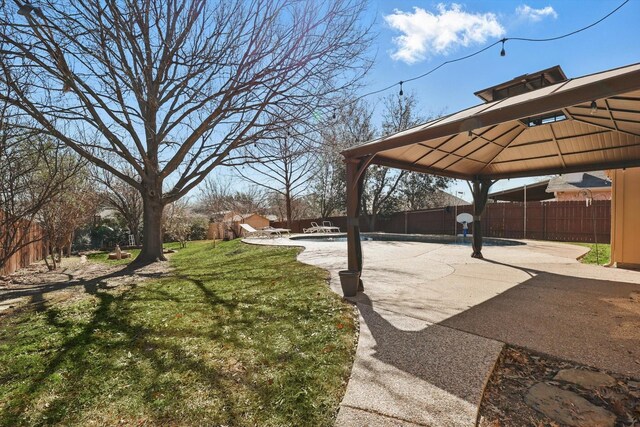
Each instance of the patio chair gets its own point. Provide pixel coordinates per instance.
(277, 231)
(315, 228)
(252, 232)
(328, 226)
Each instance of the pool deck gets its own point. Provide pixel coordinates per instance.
(433, 322)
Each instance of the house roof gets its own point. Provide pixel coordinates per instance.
(535, 192)
(450, 199)
(546, 131)
(241, 217)
(236, 217)
(597, 180)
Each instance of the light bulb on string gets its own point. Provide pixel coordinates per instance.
(401, 92)
(503, 52)
(594, 107)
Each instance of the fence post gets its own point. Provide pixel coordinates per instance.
(406, 214)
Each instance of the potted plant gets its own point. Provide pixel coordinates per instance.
(349, 280)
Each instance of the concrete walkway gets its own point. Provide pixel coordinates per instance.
(433, 321)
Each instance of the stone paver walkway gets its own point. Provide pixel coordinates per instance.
(433, 322)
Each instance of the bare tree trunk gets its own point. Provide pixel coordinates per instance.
(287, 202)
(152, 228)
(136, 235)
(46, 256)
(70, 245)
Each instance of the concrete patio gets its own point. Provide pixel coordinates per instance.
(433, 321)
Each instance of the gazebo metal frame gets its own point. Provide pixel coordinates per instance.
(581, 124)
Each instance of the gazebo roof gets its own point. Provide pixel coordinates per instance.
(585, 123)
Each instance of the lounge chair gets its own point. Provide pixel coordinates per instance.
(328, 226)
(315, 228)
(252, 232)
(277, 231)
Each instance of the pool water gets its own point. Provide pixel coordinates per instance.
(394, 237)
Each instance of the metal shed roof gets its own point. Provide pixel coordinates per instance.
(550, 130)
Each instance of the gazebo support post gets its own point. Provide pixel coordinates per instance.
(480, 191)
(355, 180)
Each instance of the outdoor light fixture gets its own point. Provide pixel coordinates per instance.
(470, 135)
(503, 52)
(594, 107)
(401, 92)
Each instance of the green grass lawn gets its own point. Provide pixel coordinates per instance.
(603, 253)
(238, 335)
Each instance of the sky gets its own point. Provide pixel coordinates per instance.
(413, 37)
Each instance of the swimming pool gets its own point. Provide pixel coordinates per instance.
(396, 237)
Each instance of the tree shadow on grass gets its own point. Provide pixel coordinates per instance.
(79, 371)
(105, 340)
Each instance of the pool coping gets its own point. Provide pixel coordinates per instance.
(400, 237)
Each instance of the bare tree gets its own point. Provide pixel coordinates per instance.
(73, 206)
(175, 87)
(423, 191)
(299, 207)
(124, 198)
(32, 170)
(177, 222)
(351, 125)
(284, 165)
(381, 189)
(217, 197)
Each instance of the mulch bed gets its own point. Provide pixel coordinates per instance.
(518, 369)
(69, 281)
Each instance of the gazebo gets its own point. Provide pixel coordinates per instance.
(536, 124)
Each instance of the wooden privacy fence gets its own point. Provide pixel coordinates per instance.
(28, 254)
(567, 221)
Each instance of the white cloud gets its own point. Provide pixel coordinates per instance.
(535, 15)
(425, 33)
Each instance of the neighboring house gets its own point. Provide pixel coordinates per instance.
(581, 186)
(535, 192)
(443, 199)
(570, 186)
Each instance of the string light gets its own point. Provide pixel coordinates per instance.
(594, 107)
(502, 53)
(478, 52)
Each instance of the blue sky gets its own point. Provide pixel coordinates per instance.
(415, 36)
